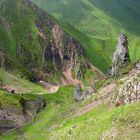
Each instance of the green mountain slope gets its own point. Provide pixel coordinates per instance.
(89, 15)
(101, 21)
(30, 47)
(95, 118)
(33, 43)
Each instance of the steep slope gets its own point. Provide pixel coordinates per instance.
(81, 12)
(96, 118)
(33, 43)
(101, 21)
(88, 13)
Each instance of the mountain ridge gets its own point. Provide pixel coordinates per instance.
(36, 35)
(101, 21)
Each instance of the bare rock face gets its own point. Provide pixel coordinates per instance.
(121, 56)
(11, 118)
(78, 93)
(61, 51)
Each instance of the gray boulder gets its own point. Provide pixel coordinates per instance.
(91, 89)
(32, 107)
(79, 95)
(121, 56)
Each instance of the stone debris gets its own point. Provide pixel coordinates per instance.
(130, 91)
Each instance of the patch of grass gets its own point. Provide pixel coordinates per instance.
(96, 123)
(21, 85)
(8, 100)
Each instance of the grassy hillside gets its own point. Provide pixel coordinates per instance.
(96, 17)
(96, 25)
(34, 44)
(20, 85)
(101, 21)
(59, 120)
(19, 36)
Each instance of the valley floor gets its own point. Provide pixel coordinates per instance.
(95, 118)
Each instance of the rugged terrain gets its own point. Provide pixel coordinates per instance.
(57, 82)
(99, 23)
(109, 111)
(105, 114)
(35, 48)
(34, 44)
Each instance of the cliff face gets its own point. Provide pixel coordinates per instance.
(121, 56)
(36, 44)
(62, 50)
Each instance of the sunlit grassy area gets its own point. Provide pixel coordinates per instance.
(58, 121)
(21, 85)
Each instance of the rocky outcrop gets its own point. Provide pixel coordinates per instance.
(32, 107)
(130, 91)
(80, 95)
(60, 53)
(121, 56)
(11, 118)
(64, 52)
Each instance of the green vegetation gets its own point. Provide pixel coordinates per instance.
(59, 106)
(24, 37)
(58, 121)
(9, 100)
(96, 24)
(20, 85)
(99, 23)
(101, 120)
(20, 41)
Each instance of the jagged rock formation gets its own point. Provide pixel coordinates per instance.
(121, 56)
(130, 91)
